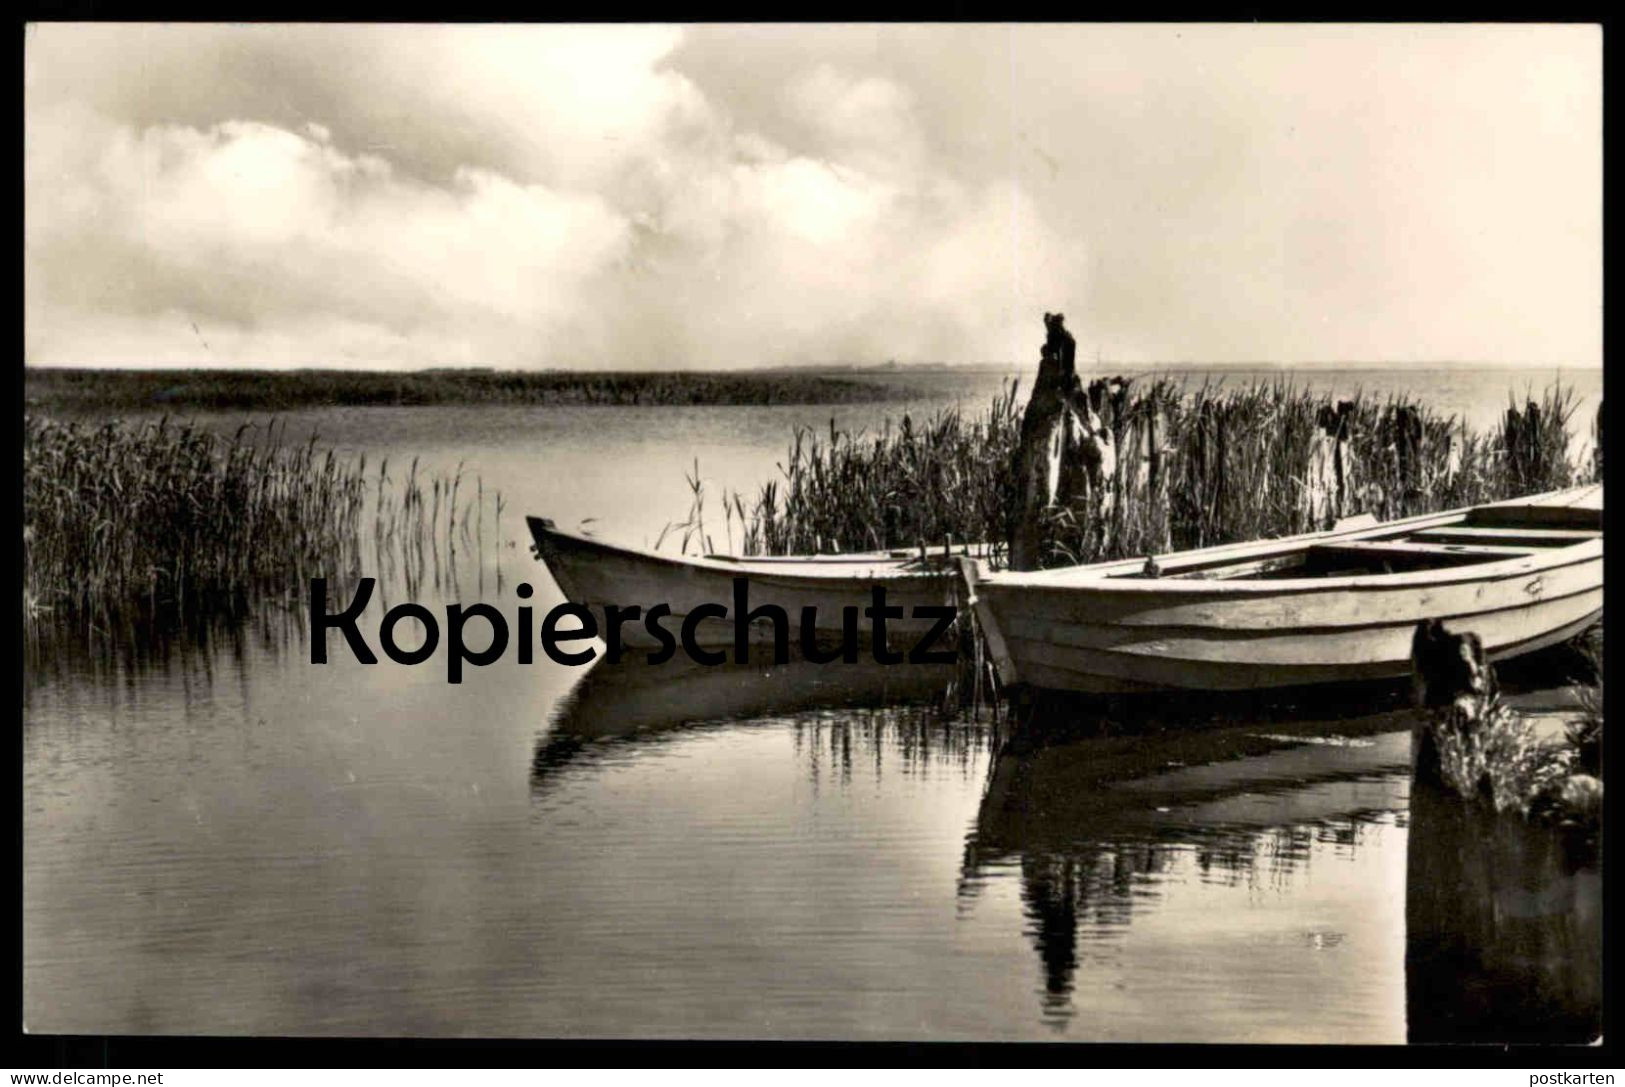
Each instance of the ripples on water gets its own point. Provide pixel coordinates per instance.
(224, 839)
(220, 837)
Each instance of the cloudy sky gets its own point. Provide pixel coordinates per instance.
(657, 196)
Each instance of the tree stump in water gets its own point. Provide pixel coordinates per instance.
(1043, 437)
(1063, 450)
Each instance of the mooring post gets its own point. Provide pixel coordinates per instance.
(1047, 429)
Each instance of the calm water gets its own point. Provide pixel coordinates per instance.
(220, 837)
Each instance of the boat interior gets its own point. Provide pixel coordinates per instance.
(1484, 534)
(926, 557)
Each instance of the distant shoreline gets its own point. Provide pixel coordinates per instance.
(84, 390)
(74, 390)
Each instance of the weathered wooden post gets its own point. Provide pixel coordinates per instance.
(1068, 447)
(1521, 439)
(1047, 429)
(1510, 898)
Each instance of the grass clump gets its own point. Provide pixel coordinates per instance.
(1501, 761)
(1493, 755)
(1498, 758)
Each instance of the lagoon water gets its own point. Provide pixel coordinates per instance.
(221, 837)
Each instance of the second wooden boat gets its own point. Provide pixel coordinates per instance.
(1336, 606)
(596, 574)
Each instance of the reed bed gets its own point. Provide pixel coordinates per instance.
(101, 391)
(949, 476)
(126, 517)
(1193, 467)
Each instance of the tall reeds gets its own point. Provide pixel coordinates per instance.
(1186, 468)
(126, 516)
(949, 475)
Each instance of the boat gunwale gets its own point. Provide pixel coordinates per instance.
(817, 570)
(1107, 577)
(1493, 570)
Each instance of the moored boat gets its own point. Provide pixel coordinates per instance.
(596, 574)
(1336, 606)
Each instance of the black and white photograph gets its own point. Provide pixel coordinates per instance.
(827, 532)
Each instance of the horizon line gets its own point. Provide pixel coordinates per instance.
(866, 367)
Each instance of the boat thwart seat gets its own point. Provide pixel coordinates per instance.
(1509, 536)
(1538, 516)
(1412, 552)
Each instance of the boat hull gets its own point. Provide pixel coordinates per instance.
(1070, 630)
(597, 575)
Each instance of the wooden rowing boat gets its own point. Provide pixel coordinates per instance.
(595, 574)
(1326, 607)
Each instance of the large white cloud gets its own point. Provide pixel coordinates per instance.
(660, 196)
(623, 219)
(256, 231)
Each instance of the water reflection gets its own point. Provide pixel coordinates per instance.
(1504, 919)
(905, 741)
(193, 651)
(616, 708)
(1504, 928)
(221, 838)
(208, 631)
(1102, 830)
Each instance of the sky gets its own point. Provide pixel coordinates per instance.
(670, 197)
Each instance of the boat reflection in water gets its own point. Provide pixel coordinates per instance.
(1224, 873)
(633, 703)
(1104, 829)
